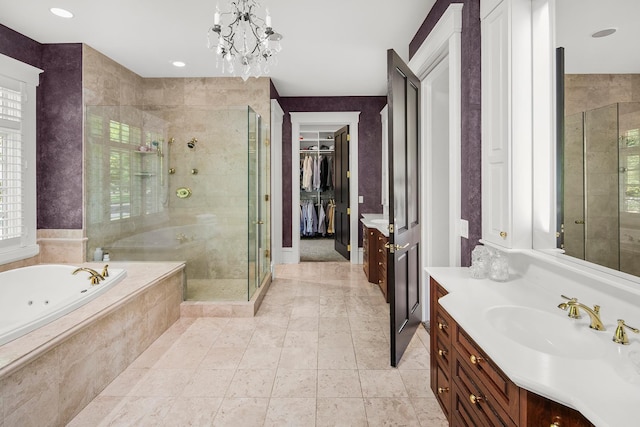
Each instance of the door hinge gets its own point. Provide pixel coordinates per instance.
(348, 211)
(348, 248)
(348, 174)
(267, 253)
(348, 137)
(266, 197)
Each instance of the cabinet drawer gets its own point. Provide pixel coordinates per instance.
(540, 411)
(473, 401)
(485, 373)
(442, 353)
(443, 390)
(443, 324)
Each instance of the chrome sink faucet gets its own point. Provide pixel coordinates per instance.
(94, 277)
(574, 312)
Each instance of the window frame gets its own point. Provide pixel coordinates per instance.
(29, 77)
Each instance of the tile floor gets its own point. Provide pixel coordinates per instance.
(316, 354)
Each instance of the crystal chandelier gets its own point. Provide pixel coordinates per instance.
(244, 42)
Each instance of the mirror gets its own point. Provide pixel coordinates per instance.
(599, 132)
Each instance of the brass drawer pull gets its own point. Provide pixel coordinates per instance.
(443, 390)
(475, 399)
(442, 353)
(442, 326)
(475, 359)
(379, 262)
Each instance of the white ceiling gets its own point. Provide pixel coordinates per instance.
(577, 19)
(330, 47)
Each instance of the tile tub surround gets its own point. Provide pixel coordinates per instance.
(51, 374)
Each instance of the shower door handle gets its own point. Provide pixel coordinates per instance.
(579, 221)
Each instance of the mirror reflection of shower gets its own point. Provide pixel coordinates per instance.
(602, 186)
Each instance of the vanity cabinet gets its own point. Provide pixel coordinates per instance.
(374, 262)
(369, 250)
(473, 391)
(506, 123)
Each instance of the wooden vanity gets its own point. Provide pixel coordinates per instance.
(375, 257)
(471, 388)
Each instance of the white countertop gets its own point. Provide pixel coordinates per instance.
(603, 383)
(367, 220)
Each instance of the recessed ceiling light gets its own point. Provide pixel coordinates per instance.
(604, 33)
(178, 64)
(62, 13)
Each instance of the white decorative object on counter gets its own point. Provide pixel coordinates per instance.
(480, 261)
(499, 267)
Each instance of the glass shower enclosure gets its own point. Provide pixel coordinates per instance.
(188, 184)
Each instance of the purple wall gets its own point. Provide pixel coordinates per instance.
(59, 149)
(471, 130)
(59, 133)
(369, 148)
(19, 47)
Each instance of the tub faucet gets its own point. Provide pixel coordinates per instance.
(574, 312)
(94, 277)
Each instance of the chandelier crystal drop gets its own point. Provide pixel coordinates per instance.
(245, 44)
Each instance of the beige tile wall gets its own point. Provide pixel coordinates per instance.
(584, 92)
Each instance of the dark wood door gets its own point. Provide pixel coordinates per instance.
(341, 185)
(403, 97)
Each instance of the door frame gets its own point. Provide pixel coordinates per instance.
(442, 49)
(351, 118)
(277, 118)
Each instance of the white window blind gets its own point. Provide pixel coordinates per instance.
(11, 162)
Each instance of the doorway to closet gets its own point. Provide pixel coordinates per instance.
(329, 139)
(324, 193)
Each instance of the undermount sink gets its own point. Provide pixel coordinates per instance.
(546, 332)
(380, 221)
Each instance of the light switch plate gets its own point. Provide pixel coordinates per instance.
(360, 199)
(464, 228)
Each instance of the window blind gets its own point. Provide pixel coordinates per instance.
(11, 162)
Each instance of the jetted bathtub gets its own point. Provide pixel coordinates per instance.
(34, 296)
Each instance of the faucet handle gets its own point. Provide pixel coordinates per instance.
(574, 313)
(105, 271)
(620, 335)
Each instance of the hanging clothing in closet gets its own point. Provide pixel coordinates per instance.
(331, 210)
(316, 218)
(307, 174)
(316, 173)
